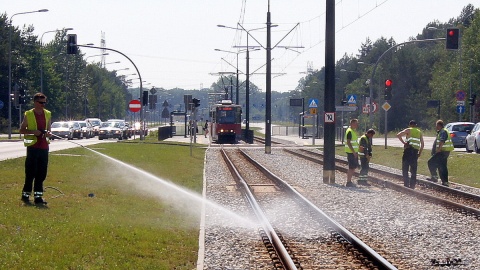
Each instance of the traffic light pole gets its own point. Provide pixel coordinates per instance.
(370, 111)
(142, 111)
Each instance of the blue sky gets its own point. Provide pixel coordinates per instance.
(172, 42)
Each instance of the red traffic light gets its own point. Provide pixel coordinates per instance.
(388, 83)
(451, 33)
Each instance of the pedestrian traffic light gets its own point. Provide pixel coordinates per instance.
(452, 38)
(388, 89)
(145, 98)
(471, 100)
(344, 100)
(21, 96)
(196, 102)
(72, 44)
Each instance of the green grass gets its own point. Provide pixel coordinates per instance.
(462, 166)
(117, 228)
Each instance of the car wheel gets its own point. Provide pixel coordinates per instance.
(466, 147)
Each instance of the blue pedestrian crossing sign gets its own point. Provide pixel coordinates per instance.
(460, 109)
(313, 103)
(352, 99)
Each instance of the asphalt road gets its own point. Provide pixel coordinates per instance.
(15, 149)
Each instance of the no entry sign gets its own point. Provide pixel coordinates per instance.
(135, 105)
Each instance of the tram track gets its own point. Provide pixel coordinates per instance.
(457, 200)
(334, 236)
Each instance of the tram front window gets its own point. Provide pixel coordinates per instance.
(226, 117)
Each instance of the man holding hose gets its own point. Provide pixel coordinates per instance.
(36, 127)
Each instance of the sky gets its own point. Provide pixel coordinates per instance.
(173, 43)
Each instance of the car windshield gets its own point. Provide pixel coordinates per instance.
(462, 128)
(83, 124)
(108, 124)
(59, 125)
(95, 122)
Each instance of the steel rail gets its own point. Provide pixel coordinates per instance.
(447, 203)
(282, 253)
(374, 257)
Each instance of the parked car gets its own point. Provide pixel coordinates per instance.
(127, 132)
(95, 122)
(458, 132)
(76, 129)
(112, 129)
(472, 142)
(61, 129)
(137, 128)
(87, 129)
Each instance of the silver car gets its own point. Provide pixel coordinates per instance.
(458, 132)
(472, 142)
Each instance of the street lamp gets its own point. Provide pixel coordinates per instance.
(86, 59)
(116, 62)
(247, 73)
(237, 92)
(10, 68)
(41, 58)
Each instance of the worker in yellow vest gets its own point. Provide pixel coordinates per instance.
(351, 148)
(36, 127)
(365, 153)
(441, 149)
(412, 149)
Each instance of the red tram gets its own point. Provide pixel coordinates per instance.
(226, 124)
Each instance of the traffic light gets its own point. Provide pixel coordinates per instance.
(452, 38)
(21, 96)
(344, 100)
(196, 102)
(388, 89)
(145, 98)
(471, 100)
(72, 44)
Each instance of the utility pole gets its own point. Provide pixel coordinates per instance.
(329, 131)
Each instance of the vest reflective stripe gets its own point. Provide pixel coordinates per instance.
(30, 139)
(448, 145)
(414, 139)
(353, 141)
(364, 137)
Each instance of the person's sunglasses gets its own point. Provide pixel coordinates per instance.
(42, 102)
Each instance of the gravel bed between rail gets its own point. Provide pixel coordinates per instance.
(405, 230)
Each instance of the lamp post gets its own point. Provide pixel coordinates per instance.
(10, 68)
(247, 74)
(41, 58)
(237, 86)
(86, 59)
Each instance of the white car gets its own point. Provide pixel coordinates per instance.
(472, 142)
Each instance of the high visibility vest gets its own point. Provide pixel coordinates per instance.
(30, 139)
(448, 145)
(364, 137)
(353, 141)
(414, 139)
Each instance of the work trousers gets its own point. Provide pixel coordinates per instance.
(439, 161)
(410, 162)
(36, 165)
(365, 165)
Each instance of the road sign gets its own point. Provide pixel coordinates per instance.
(460, 95)
(1, 104)
(329, 117)
(460, 102)
(365, 108)
(460, 109)
(352, 99)
(386, 106)
(135, 105)
(345, 108)
(313, 110)
(313, 103)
